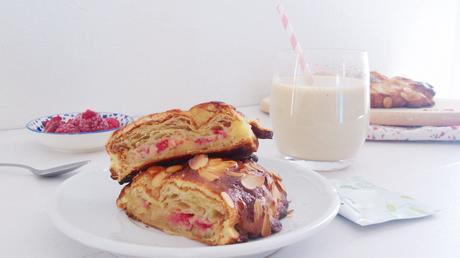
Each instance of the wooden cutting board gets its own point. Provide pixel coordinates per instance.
(446, 112)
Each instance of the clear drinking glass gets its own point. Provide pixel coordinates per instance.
(323, 121)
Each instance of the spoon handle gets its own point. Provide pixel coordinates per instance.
(15, 165)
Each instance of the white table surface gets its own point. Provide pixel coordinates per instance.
(428, 171)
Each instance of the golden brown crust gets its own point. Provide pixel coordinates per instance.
(260, 131)
(230, 134)
(214, 106)
(254, 198)
(399, 92)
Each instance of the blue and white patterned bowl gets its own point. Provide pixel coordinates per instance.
(75, 142)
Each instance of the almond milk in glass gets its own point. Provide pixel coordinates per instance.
(322, 120)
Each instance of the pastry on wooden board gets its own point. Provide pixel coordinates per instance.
(399, 92)
(399, 101)
(212, 200)
(211, 128)
(446, 112)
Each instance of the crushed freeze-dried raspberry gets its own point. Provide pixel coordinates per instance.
(67, 128)
(88, 121)
(88, 114)
(113, 123)
(52, 124)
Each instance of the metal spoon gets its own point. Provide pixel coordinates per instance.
(50, 172)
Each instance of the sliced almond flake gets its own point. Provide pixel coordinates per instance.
(227, 199)
(273, 209)
(252, 181)
(234, 174)
(275, 174)
(221, 168)
(214, 169)
(231, 164)
(214, 161)
(266, 226)
(269, 182)
(157, 180)
(276, 193)
(290, 213)
(280, 185)
(173, 169)
(258, 210)
(208, 176)
(252, 165)
(199, 161)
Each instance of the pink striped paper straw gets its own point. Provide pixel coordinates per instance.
(294, 43)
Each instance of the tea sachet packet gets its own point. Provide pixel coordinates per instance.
(367, 204)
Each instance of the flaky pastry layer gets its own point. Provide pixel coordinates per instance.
(213, 128)
(212, 200)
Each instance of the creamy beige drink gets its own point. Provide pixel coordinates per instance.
(324, 121)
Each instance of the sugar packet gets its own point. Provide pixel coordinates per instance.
(367, 204)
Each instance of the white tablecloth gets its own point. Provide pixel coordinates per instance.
(428, 171)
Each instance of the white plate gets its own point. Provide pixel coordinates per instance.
(84, 209)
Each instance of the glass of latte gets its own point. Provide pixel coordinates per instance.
(321, 114)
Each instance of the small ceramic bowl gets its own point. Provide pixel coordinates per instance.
(75, 142)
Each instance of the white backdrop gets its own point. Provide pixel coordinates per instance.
(141, 56)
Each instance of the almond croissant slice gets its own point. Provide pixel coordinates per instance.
(215, 212)
(176, 135)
